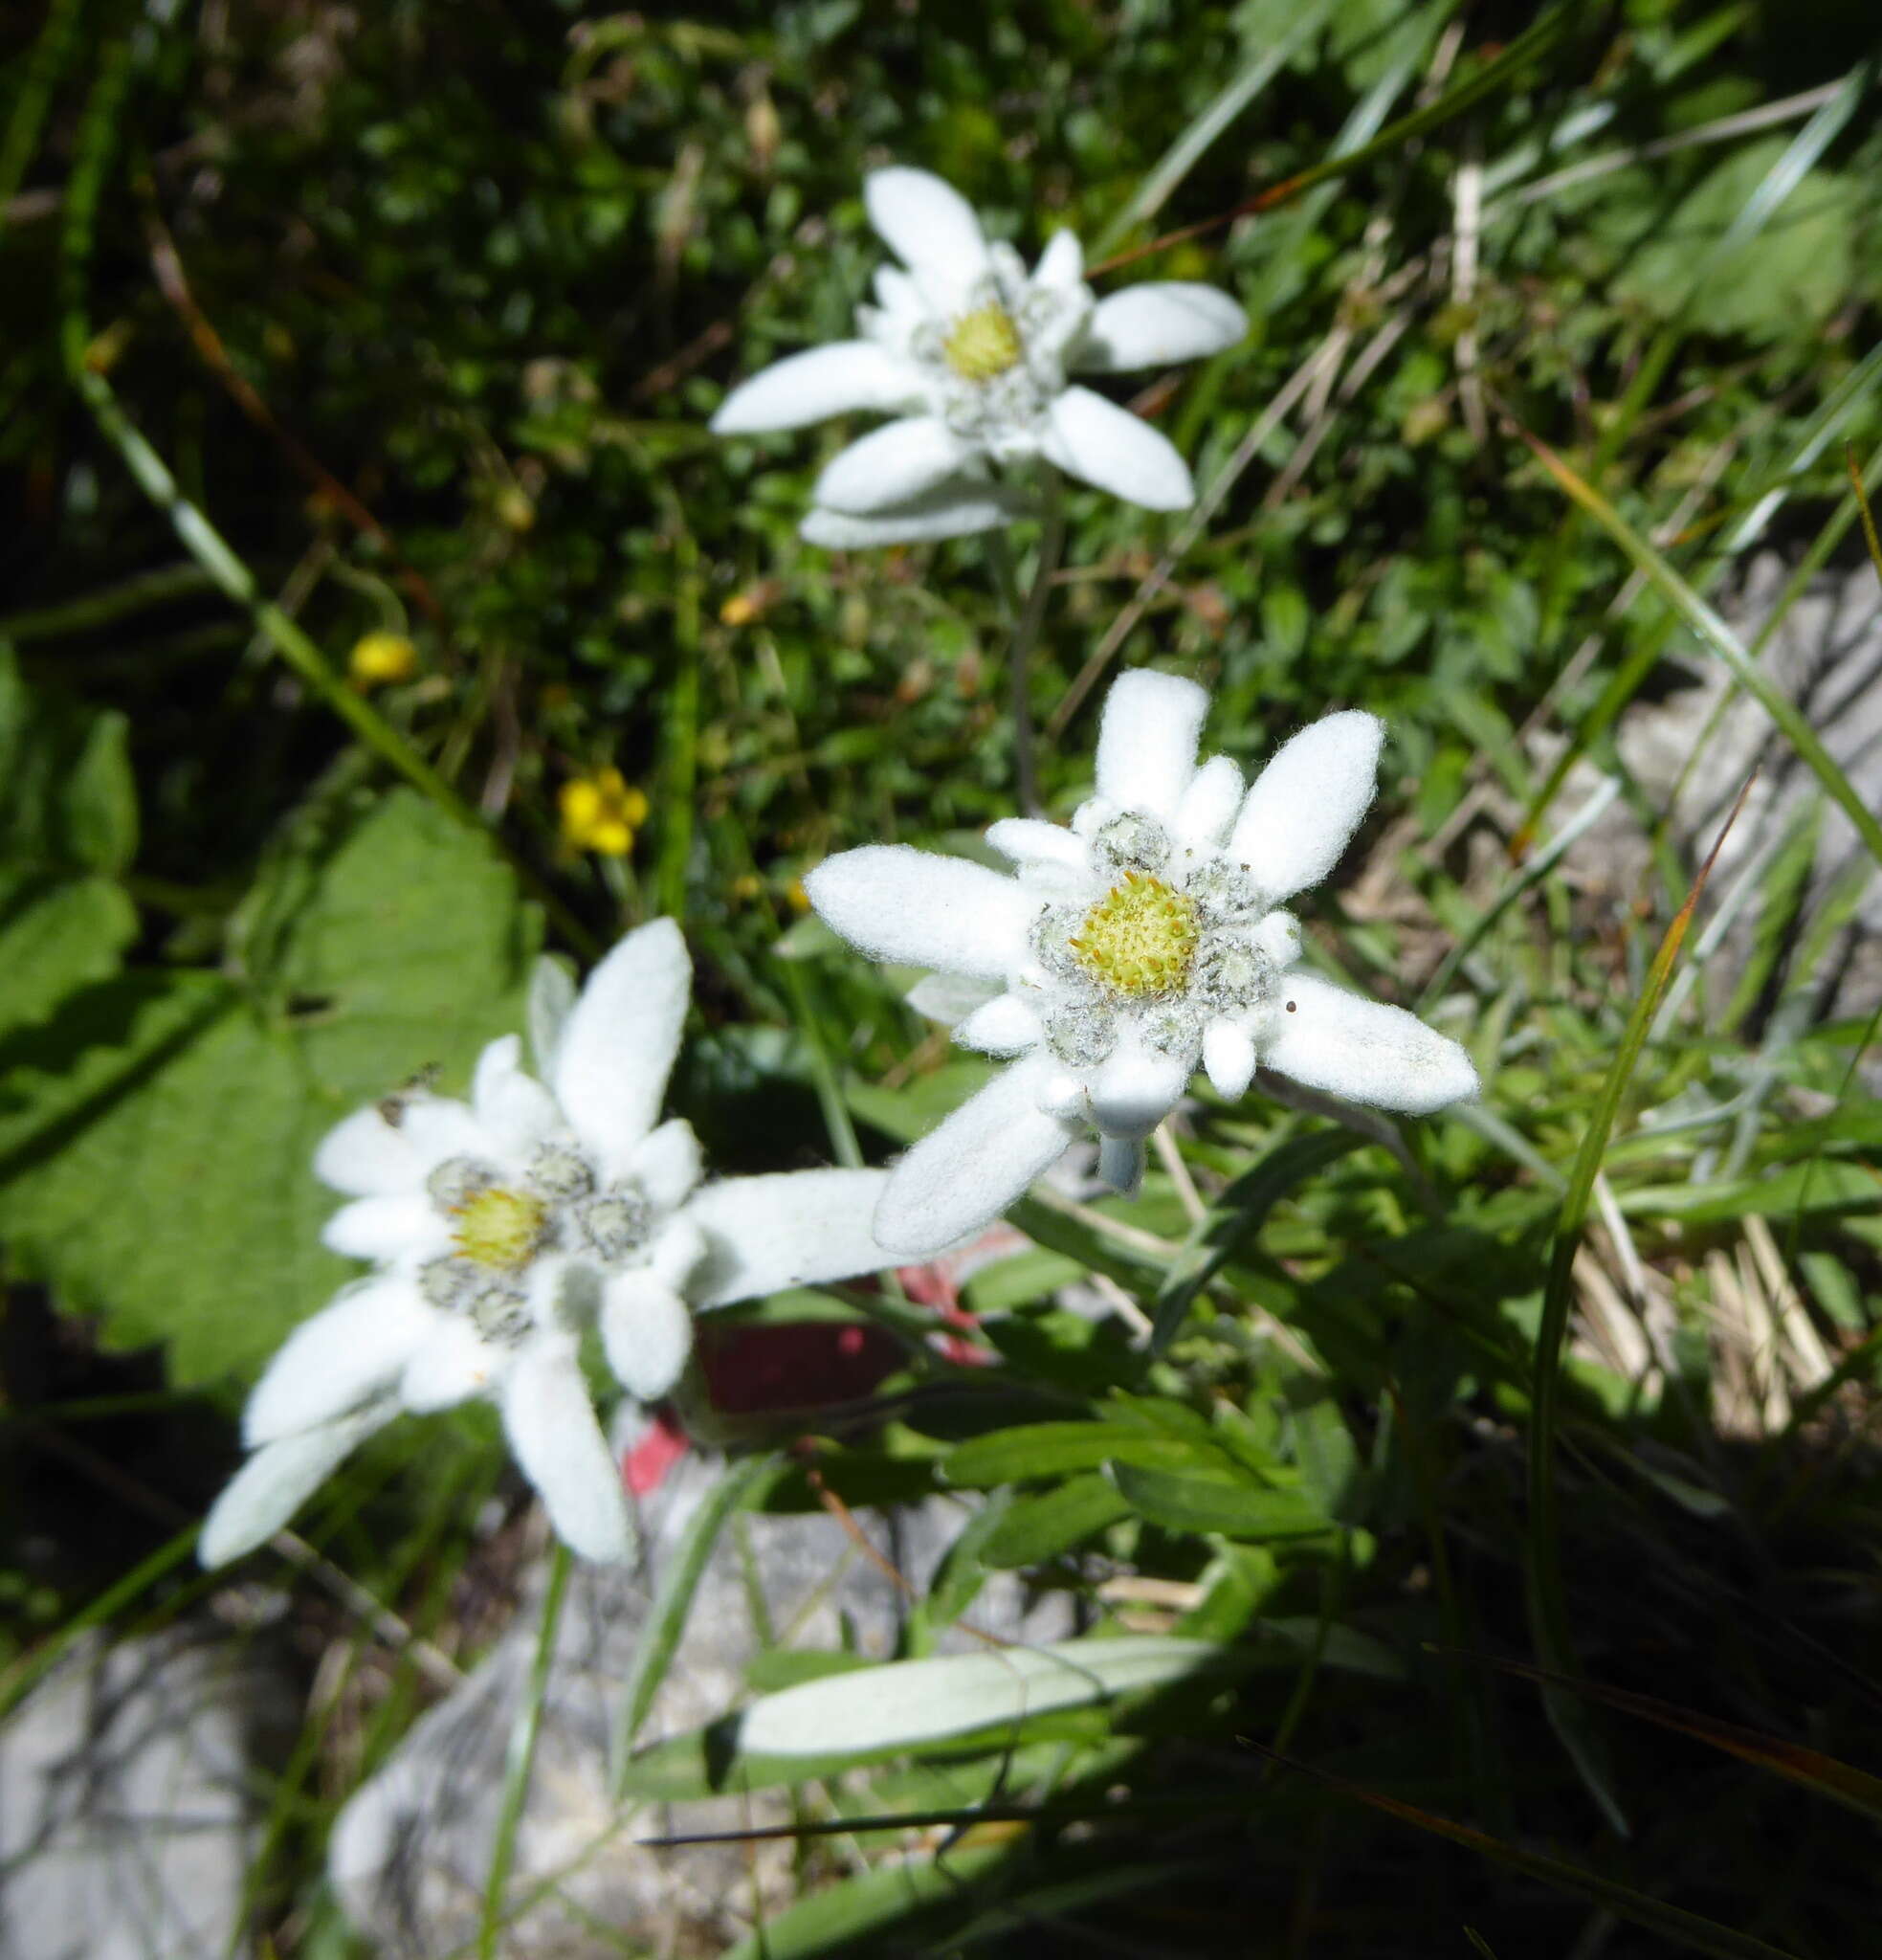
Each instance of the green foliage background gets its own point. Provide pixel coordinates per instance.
(424, 308)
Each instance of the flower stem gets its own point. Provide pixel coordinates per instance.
(1027, 618)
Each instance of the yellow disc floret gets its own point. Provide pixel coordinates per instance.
(500, 1228)
(983, 344)
(1140, 937)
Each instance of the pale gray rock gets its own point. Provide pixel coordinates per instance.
(1693, 750)
(129, 1809)
(410, 1852)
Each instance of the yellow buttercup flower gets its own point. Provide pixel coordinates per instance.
(379, 659)
(601, 812)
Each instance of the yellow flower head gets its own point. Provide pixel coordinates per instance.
(601, 812)
(378, 658)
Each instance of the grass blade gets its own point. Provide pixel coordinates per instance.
(743, 1485)
(1839, 1781)
(1534, 40)
(1689, 1929)
(521, 1758)
(1548, 1616)
(1720, 637)
(1187, 151)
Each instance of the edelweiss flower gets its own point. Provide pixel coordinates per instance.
(972, 354)
(504, 1228)
(1143, 940)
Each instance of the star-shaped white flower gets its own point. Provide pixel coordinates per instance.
(504, 1228)
(1122, 952)
(972, 355)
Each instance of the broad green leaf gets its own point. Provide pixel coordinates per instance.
(156, 1136)
(1790, 275)
(912, 1702)
(68, 826)
(887, 1901)
(1051, 1449)
(1193, 1501)
(1033, 1530)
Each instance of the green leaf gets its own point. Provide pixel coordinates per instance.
(890, 1900)
(1051, 1449)
(1033, 1530)
(156, 1139)
(742, 1487)
(68, 826)
(1193, 1501)
(911, 1702)
(1792, 275)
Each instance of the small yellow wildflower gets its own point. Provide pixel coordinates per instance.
(379, 659)
(601, 812)
(799, 898)
(748, 606)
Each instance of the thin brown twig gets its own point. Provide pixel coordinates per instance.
(173, 282)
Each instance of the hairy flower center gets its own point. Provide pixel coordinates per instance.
(1140, 937)
(500, 1228)
(983, 344)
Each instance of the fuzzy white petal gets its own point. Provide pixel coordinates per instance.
(1364, 1049)
(1029, 840)
(277, 1480)
(1006, 1025)
(1062, 264)
(899, 297)
(678, 1252)
(454, 1364)
(948, 998)
(797, 1229)
(891, 466)
(1210, 803)
(913, 908)
(957, 508)
(1278, 936)
(926, 223)
(961, 1176)
(1062, 1093)
(440, 1128)
(1229, 1057)
(668, 1164)
(354, 1347)
(364, 1157)
(1307, 803)
(815, 384)
(552, 1429)
(513, 1108)
(386, 1229)
(1098, 442)
(1159, 323)
(619, 1046)
(1146, 742)
(1135, 1089)
(647, 1329)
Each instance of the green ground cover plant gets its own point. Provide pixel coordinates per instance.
(1473, 1517)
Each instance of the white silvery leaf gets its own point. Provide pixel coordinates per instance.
(799, 1228)
(1307, 803)
(1364, 1049)
(1098, 442)
(918, 909)
(552, 993)
(278, 1479)
(911, 1702)
(949, 997)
